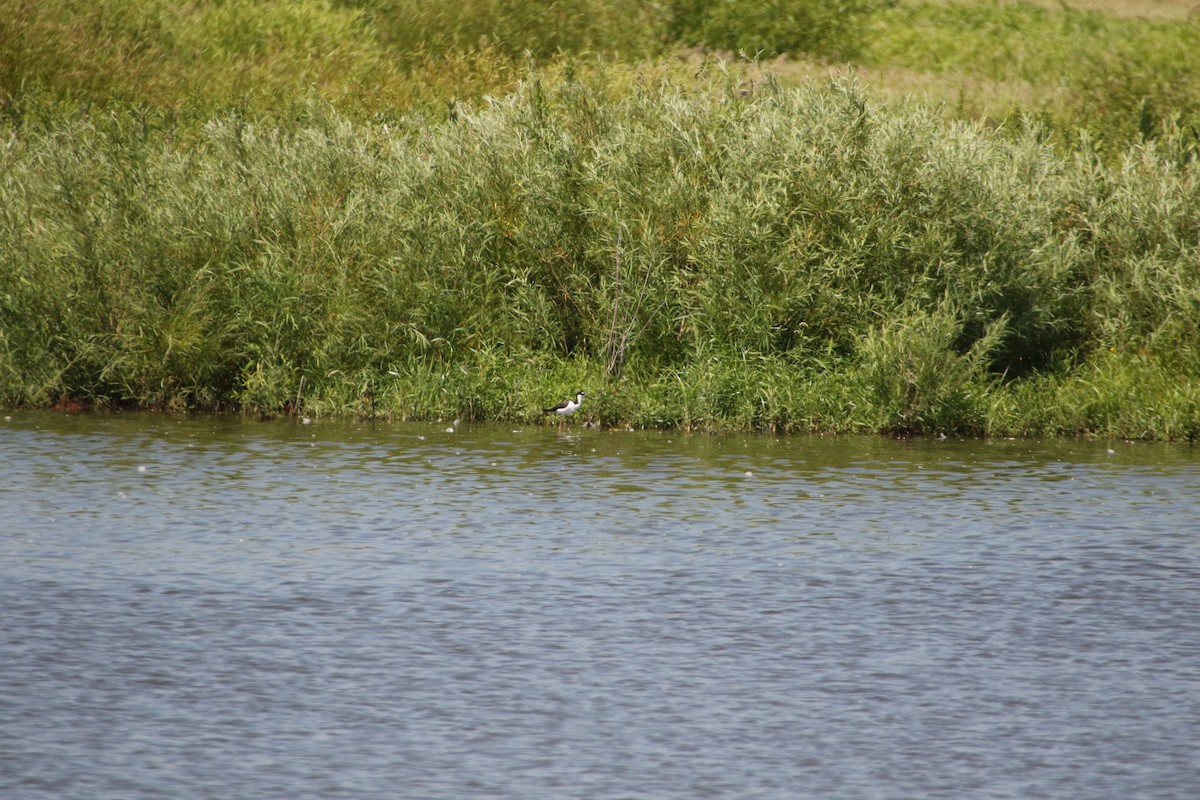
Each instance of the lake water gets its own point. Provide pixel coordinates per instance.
(216, 607)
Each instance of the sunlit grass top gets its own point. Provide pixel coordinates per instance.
(1119, 69)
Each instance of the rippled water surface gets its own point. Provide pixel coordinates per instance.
(221, 608)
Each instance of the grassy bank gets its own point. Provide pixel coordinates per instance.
(783, 259)
(185, 62)
(348, 208)
(1120, 70)
(1119, 77)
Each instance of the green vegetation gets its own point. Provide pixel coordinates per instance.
(1120, 79)
(386, 209)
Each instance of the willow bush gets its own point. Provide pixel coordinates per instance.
(781, 259)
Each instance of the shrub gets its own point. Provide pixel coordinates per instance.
(782, 259)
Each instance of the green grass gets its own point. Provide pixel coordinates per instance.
(186, 62)
(386, 209)
(1119, 78)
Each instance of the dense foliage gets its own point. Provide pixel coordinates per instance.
(697, 247)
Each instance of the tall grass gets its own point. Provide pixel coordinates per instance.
(408, 27)
(187, 61)
(779, 259)
(188, 58)
(1118, 78)
(825, 28)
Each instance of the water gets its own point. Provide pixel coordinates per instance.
(217, 608)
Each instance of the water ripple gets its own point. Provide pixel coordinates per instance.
(219, 607)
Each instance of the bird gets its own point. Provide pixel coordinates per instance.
(567, 407)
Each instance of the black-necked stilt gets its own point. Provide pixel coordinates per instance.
(566, 408)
